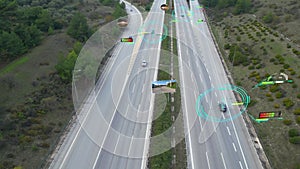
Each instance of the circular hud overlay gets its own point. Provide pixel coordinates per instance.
(112, 91)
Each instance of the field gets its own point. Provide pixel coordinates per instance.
(255, 48)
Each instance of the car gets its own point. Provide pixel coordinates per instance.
(223, 107)
(144, 63)
(131, 10)
(182, 15)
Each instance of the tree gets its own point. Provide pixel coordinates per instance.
(242, 6)
(44, 21)
(119, 11)
(66, 65)
(10, 46)
(79, 28)
(268, 18)
(30, 35)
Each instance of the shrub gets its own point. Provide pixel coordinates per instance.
(274, 88)
(227, 46)
(297, 111)
(270, 99)
(287, 122)
(298, 119)
(293, 132)
(278, 95)
(276, 106)
(295, 140)
(293, 72)
(288, 103)
(272, 59)
(268, 94)
(294, 86)
(288, 45)
(298, 96)
(285, 66)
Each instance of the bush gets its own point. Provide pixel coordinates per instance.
(295, 140)
(297, 111)
(288, 45)
(270, 99)
(293, 132)
(287, 122)
(288, 103)
(285, 66)
(298, 96)
(227, 46)
(278, 95)
(298, 119)
(274, 88)
(268, 95)
(276, 106)
(294, 86)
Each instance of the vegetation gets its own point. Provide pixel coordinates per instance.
(294, 132)
(79, 28)
(267, 43)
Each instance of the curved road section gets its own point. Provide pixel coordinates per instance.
(113, 130)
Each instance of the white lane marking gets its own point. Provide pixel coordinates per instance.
(132, 91)
(207, 160)
(149, 124)
(234, 146)
(117, 144)
(120, 133)
(216, 94)
(241, 165)
(223, 160)
(238, 139)
(88, 112)
(183, 86)
(228, 130)
(130, 145)
(143, 88)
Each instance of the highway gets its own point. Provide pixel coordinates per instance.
(218, 143)
(114, 124)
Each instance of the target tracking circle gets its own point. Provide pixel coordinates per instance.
(217, 116)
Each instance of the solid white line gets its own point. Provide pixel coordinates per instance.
(149, 123)
(207, 160)
(216, 94)
(228, 130)
(238, 140)
(89, 109)
(183, 86)
(223, 160)
(143, 88)
(234, 146)
(241, 165)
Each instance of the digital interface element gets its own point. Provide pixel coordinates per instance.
(164, 86)
(164, 7)
(274, 79)
(122, 22)
(200, 21)
(127, 40)
(263, 115)
(150, 36)
(203, 113)
(266, 116)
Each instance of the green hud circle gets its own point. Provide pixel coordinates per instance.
(243, 94)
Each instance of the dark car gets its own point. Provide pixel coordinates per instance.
(223, 107)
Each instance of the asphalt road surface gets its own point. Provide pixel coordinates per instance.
(219, 140)
(115, 121)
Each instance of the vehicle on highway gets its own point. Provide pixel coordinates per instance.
(223, 107)
(182, 15)
(144, 63)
